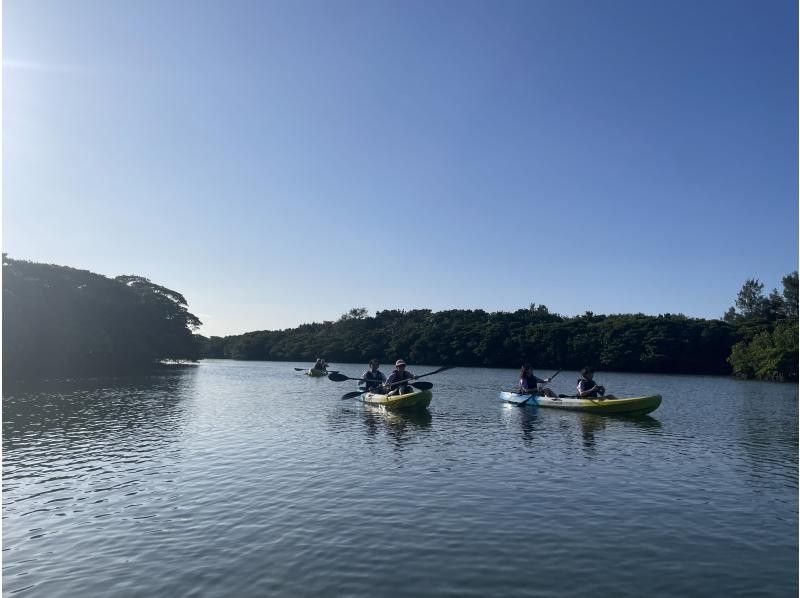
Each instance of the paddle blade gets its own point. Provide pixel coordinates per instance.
(351, 395)
(300, 369)
(337, 377)
(422, 385)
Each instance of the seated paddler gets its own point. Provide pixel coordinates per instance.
(396, 380)
(587, 387)
(529, 383)
(373, 378)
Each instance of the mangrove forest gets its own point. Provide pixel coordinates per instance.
(60, 321)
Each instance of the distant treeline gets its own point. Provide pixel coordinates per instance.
(59, 321)
(767, 329)
(757, 331)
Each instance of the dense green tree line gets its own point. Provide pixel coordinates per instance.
(59, 321)
(635, 343)
(767, 328)
(755, 339)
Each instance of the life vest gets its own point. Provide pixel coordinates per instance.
(373, 379)
(531, 381)
(584, 384)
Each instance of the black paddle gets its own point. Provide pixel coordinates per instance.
(337, 377)
(447, 367)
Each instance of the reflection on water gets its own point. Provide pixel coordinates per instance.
(88, 410)
(592, 424)
(399, 427)
(527, 423)
(77, 438)
(588, 427)
(250, 479)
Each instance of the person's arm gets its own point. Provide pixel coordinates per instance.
(588, 391)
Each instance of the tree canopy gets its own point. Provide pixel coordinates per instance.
(756, 338)
(767, 328)
(631, 342)
(61, 321)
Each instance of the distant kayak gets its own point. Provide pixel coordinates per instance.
(317, 373)
(417, 399)
(628, 406)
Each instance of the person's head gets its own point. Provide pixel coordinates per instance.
(373, 364)
(400, 364)
(525, 369)
(587, 373)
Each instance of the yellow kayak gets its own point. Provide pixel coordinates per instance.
(628, 406)
(316, 373)
(417, 399)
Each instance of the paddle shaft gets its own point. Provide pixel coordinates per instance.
(447, 367)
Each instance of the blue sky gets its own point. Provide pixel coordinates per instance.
(283, 162)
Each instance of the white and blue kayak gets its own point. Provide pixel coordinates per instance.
(610, 404)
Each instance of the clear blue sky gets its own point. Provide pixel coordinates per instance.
(283, 162)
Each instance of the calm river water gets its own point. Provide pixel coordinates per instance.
(251, 479)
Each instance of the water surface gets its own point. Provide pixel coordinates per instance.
(249, 479)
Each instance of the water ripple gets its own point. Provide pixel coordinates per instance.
(247, 479)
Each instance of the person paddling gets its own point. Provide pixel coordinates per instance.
(529, 384)
(373, 377)
(587, 387)
(400, 374)
(320, 365)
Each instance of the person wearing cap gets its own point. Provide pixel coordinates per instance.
(400, 374)
(529, 384)
(373, 377)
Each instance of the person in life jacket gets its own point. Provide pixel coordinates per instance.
(373, 377)
(320, 365)
(529, 384)
(588, 388)
(400, 374)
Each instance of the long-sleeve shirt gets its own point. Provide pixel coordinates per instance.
(398, 375)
